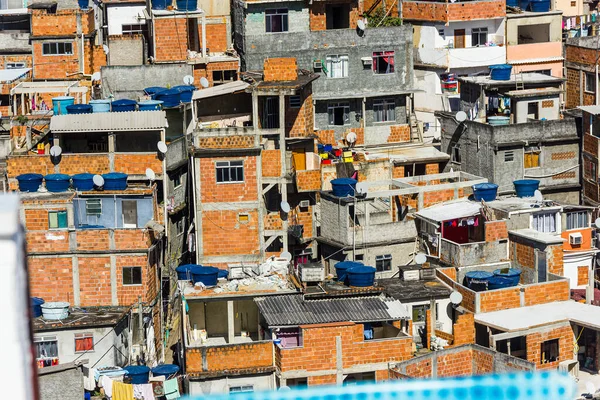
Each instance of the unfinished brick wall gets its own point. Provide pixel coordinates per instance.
(500, 299)
(495, 230)
(94, 281)
(271, 163)
(216, 36)
(455, 364)
(308, 181)
(399, 134)
(547, 292)
(280, 69)
(464, 329)
(318, 13)
(224, 234)
(206, 70)
(51, 278)
(299, 122)
(534, 342)
(468, 295)
(554, 254)
(326, 136)
(445, 12)
(304, 217)
(136, 164)
(61, 23)
(212, 191)
(171, 39)
(92, 239)
(24, 58)
(233, 357)
(129, 294)
(582, 275)
(322, 380)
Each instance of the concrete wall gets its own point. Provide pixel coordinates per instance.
(130, 81)
(126, 51)
(66, 384)
(544, 112)
(124, 14)
(222, 385)
(401, 254)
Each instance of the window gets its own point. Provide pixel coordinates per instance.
(15, 65)
(544, 222)
(84, 342)
(179, 226)
(276, 20)
(577, 220)
(220, 77)
(337, 66)
(57, 219)
(383, 263)
(93, 207)
(295, 101)
(384, 110)
(339, 113)
(270, 113)
(359, 257)
(419, 313)
(243, 218)
(177, 180)
(509, 156)
(549, 351)
(134, 29)
(479, 36)
(589, 169)
(132, 275)
(230, 171)
(130, 213)
(46, 347)
(442, 33)
(241, 389)
(383, 62)
(532, 157)
(590, 83)
(535, 33)
(57, 49)
(337, 16)
(456, 154)
(533, 110)
(573, 4)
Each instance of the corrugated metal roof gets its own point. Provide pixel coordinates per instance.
(10, 75)
(536, 60)
(451, 210)
(293, 310)
(112, 121)
(220, 90)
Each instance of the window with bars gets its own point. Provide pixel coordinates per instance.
(339, 113)
(383, 62)
(45, 347)
(577, 220)
(337, 66)
(276, 20)
(57, 49)
(230, 171)
(84, 342)
(383, 263)
(384, 110)
(544, 222)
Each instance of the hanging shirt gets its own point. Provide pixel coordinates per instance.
(107, 384)
(171, 389)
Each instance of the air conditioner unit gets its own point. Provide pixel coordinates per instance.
(575, 238)
(317, 65)
(304, 203)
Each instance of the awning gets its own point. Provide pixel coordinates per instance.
(536, 60)
(107, 122)
(220, 90)
(11, 75)
(449, 211)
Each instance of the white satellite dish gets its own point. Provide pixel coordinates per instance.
(55, 151)
(188, 79)
(204, 82)
(461, 116)
(420, 258)
(150, 174)
(106, 49)
(361, 25)
(537, 195)
(96, 76)
(98, 180)
(162, 147)
(455, 298)
(351, 137)
(286, 255)
(362, 188)
(597, 222)
(285, 207)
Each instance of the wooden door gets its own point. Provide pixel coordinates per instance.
(459, 38)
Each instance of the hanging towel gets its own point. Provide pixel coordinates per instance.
(157, 388)
(171, 389)
(122, 391)
(89, 380)
(145, 391)
(107, 384)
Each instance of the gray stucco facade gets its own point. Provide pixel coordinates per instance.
(63, 382)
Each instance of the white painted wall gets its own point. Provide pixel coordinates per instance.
(571, 262)
(123, 15)
(444, 317)
(218, 386)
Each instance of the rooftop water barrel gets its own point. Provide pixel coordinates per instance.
(500, 72)
(30, 182)
(207, 275)
(512, 3)
(186, 92)
(55, 310)
(152, 90)
(523, 4)
(539, 5)
(170, 97)
(79, 109)
(343, 187)
(100, 105)
(123, 105)
(115, 181)
(526, 187)
(139, 374)
(165, 370)
(478, 280)
(84, 4)
(498, 120)
(361, 276)
(485, 191)
(36, 307)
(184, 272)
(150, 105)
(57, 183)
(499, 282)
(83, 182)
(512, 274)
(223, 273)
(187, 5)
(341, 269)
(60, 103)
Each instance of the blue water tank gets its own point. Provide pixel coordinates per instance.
(57, 183)
(30, 182)
(223, 273)
(524, 4)
(187, 5)
(539, 5)
(341, 269)
(115, 181)
(100, 105)
(123, 105)
(207, 275)
(83, 182)
(478, 280)
(165, 370)
(485, 191)
(498, 120)
(170, 97)
(36, 309)
(79, 109)
(499, 282)
(186, 92)
(184, 272)
(512, 3)
(161, 4)
(361, 276)
(526, 187)
(84, 4)
(500, 72)
(60, 103)
(512, 274)
(152, 90)
(139, 374)
(150, 105)
(343, 187)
